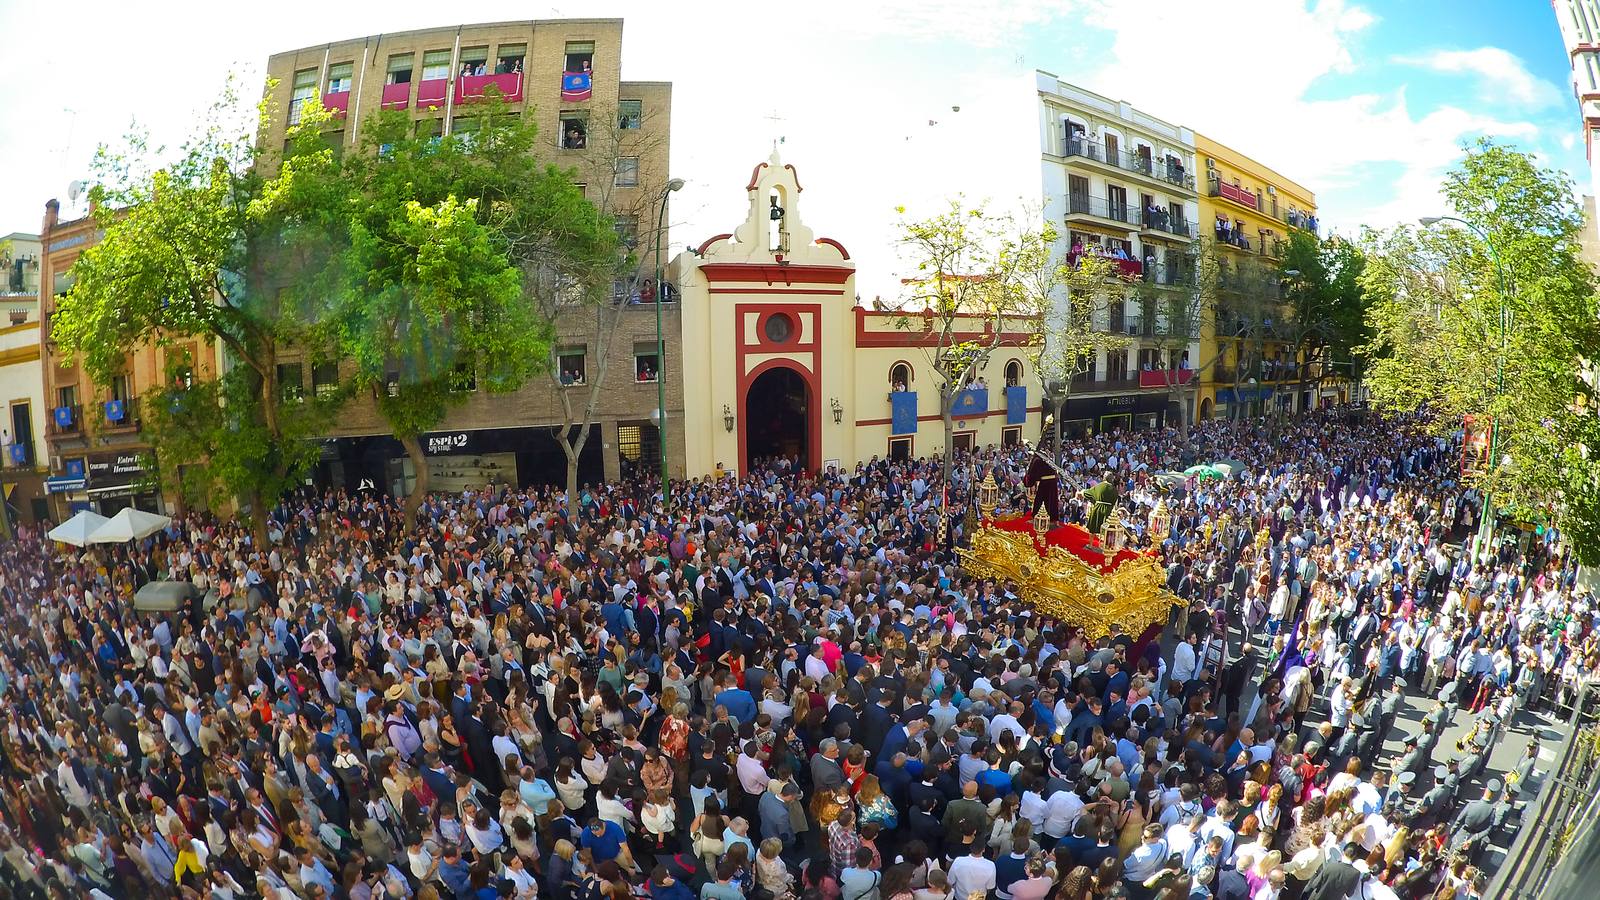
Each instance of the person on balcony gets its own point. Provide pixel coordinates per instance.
(1118, 253)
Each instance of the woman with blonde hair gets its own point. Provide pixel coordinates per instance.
(771, 872)
(874, 806)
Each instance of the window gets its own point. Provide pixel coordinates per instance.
(335, 142)
(435, 65)
(900, 449)
(646, 362)
(1011, 437)
(580, 56)
(963, 442)
(574, 131)
(509, 59)
(339, 79)
(432, 129)
(400, 68)
(627, 230)
(474, 61)
(630, 114)
(67, 395)
(627, 171)
(900, 377)
(119, 387)
(1117, 365)
(305, 88)
(465, 127)
(325, 380)
(464, 377)
(1117, 200)
(1112, 147)
(1014, 373)
(291, 381)
(569, 365)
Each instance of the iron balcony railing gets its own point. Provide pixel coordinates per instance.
(1101, 207)
(1164, 169)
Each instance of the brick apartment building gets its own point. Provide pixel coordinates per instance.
(614, 135)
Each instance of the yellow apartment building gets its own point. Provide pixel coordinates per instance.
(1246, 213)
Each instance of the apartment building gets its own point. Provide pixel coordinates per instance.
(98, 458)
(614, 136)
(1247, 211)
(22, 448)
(1121, 183)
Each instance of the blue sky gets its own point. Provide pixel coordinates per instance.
(1366, 103)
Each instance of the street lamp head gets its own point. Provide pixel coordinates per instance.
(1425, 221)
(675, 184)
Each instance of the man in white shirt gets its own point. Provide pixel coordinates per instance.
(1184, 659)
(1061, 812)
(972, 873)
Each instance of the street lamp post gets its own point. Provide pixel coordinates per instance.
(675, 184)
(1486, 521)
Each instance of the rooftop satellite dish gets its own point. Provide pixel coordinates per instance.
(74, 191)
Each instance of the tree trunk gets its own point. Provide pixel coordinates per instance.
(573, 448)
(258, 517)
(419, 486)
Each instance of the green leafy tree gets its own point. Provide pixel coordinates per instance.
(434, 305)
(976, 289)
(200, 247)
(1456, 331)
(1073, 298)
(1325, 318)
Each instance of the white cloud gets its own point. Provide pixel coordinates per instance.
(1501, 76)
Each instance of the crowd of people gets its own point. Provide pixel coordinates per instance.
(785, 686)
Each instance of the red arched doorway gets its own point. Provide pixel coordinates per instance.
(777, 418)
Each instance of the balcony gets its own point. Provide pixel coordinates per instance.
(1081, 205)
(431, 92)
(337, 103)
(1163, 378)
(1160, 220)
(1216, 187)
(1169, 171)
(1127, 268)
(1228, 237)
(1301, 220)
(1173, 275)
(970, 402)
(397, 96)
(65, 421)
(1088, 383)
(20, 454)
(472, 88)
(121, 415)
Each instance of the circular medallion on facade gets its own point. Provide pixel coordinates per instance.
(778, 328)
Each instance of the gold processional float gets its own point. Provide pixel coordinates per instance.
(1066, 572)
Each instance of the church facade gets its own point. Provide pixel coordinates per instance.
(780, 359)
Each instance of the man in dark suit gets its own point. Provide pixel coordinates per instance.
(875, 725)
(1336, 878)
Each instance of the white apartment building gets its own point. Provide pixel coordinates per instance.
(1120, 182)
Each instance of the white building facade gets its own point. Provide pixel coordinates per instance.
(1121, 182)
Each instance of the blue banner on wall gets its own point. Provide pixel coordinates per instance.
(19, 453)
(75, 468)
(1016, 404)
(903, 412)
(971, 402)
(113, 410)
(64, 416)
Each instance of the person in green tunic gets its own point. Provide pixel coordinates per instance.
(1103, 499)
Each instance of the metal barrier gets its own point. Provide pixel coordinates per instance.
(1562, 817)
